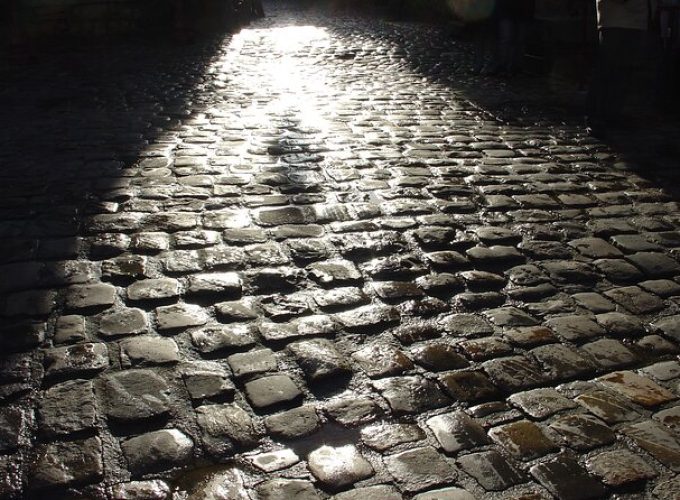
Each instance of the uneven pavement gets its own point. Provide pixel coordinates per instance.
(306, 261)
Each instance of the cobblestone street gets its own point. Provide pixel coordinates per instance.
(309, 260)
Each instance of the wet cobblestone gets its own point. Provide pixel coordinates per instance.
(314, 260)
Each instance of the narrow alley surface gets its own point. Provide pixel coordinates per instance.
(304, 261)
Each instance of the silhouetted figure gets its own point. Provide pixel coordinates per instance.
(256, 8)
(622, 25)
(513, 18)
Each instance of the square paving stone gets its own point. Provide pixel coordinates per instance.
(352, 409)
(79, 359)
(148, 350)
(380, 360)
(638, 389)
(380, 492)
(583, 432)
(658, 441)
(274, 460)
(70, 330)
(468, 386)
(635, 299)
(457, 431)
(123, 322)
(13, 422)
(276, 489)
(225, 424)
(437, 357)
(207, 379)
(514, 373)
(365, 317)
(663, 371)
(215, 338)
(619, 271)
(523, 439)
(445, 494)
(655, 264)
(421, 468)
(669, 326)
(541, 403)
(382, 437)
(319, 359)
(490, 470)
(575, 327)
(608, 406)
(337, 467)
(252, 362)
(662, 288)
(238, 310)
(157, 451)
(510, 317)
(269, 391)
(594, 302)
(295, 423)
(466, 325)
(179, 316)
(485, 348)
(65, 463)
(67, 408)
(620, 467)
(668, 489)
(87, 296)
(595, 248)
(563, 362)
(565, 479)
(334, 272)
(620, 325)
(225, 284)
(412, 394)
(529, 336)
(133, 395)
(610, 353)
(153, 489)
(153, 289)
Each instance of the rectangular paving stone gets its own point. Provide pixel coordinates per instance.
(67, 463)
(523, 439)
(490, 470)
(252, 362)
(583, 432)
(148, 350)
(338, 467)
(294, 423)
(79, 359)
(541, 403)
(620, 467)
(638, 389)
(456, 431)
(421, 468)
(635, 299)
(86, 296)
(514, 373)
(67, 408)
(215, 338)
(411, 394)
(657, 440)
(565, 479)
(273, 390)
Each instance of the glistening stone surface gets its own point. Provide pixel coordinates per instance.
(326, 230)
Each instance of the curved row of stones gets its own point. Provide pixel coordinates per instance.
(404, 299)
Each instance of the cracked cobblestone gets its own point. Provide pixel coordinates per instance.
(309, 260)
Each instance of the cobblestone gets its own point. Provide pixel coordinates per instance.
(318, 258)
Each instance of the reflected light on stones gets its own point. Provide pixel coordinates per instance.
(295, 86)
